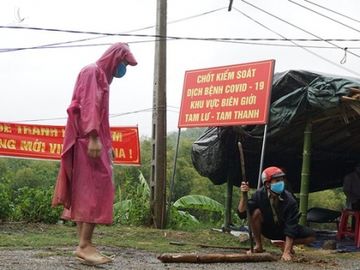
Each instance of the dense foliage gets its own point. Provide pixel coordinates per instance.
(26, 188)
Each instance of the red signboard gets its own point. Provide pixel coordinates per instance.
(227, 95)
(45, 142)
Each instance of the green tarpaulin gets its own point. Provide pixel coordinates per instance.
(330, 102)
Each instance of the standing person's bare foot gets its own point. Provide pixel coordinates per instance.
(90, 256)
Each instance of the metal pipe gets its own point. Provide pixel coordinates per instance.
(172, 181)
(262, 156)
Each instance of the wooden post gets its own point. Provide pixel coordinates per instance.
(158, 158)
(228, 203)
(305, 172)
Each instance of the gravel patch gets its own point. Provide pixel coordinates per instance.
(54, 258)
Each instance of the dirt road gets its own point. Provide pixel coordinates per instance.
(59, 259)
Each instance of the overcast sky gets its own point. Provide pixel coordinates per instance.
(38, 83)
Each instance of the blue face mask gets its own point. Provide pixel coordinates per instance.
(277, 187)
(120, 70)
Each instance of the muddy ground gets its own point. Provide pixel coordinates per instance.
(52, 258)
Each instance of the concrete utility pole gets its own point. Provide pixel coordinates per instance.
(158, 158)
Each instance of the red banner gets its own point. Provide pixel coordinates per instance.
(45, 142)
(228, 95)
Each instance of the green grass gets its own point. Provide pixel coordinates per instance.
(61, 239)
(36, 235)
(144, 238)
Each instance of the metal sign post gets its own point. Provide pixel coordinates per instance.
(227, 96)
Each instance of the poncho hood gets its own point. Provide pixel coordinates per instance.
(114, 55)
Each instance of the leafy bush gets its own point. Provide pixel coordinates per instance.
(332, 199)
(181, 220)
(199, 202)
(134, 209)
(195, 211)
(5, 202)
(34, 205)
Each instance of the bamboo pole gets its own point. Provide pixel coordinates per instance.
(305, 172)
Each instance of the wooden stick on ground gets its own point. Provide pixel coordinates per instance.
(215, 257)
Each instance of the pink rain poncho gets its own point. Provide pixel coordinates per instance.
(84, 185)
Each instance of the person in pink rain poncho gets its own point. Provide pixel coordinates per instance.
(84, 186)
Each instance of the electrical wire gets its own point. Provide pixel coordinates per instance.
(297, 27)
(214, 39)
(224, 41)
(38, 120)
(102, 35)
(173, 37)
(284, 45)
(114, 115)
(333, 11)
(3, 50)
(232, 40)
(323, 15)
(298, 45)
(47, 46)
(131, 112)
